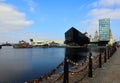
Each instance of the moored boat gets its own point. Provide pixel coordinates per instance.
(22, 44)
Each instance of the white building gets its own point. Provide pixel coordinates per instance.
(40, 42)
(111, 38)
(96, 37)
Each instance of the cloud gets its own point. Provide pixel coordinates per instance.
(91, 25)
(2, 0)
(11, 19)
(107, 3)
(99, 10)
(31, 5)
(105, 13)
(14, 37)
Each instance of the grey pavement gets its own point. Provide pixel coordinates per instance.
(109, 73)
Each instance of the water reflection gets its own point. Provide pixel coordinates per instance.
(76, 54)
(79, 54)
(20, 65)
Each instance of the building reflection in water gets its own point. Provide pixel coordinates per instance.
(76, 54)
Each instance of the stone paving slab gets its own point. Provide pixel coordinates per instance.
(109, 73)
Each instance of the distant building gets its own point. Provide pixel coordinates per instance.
(22, 44)
(111, 38)
(104, 31)
(38, 42)
(42, 42)
(75, 37)
(86, 34)
(90, 37)
(96, 37)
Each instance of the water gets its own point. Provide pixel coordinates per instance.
(20, 65)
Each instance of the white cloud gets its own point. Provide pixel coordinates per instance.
(107, 3)
(102, 9)
(2, 0)
(14, 37)
(11, 19)
(91, 25)
(31, 5)
(105, 13)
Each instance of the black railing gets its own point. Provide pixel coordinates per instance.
(79, 71)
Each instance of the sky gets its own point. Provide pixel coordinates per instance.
(50, 19)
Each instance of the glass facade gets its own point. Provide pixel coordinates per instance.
(104, 29)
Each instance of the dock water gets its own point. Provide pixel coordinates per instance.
(107, 73)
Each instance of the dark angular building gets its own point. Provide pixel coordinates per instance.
(75, 37)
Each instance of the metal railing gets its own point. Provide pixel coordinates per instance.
(79, 70)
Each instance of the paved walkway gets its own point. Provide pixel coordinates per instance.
(109, 73)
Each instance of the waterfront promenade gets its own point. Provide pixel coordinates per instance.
(109, 73)
(104, 68)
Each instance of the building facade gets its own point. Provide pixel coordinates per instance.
(111, 38)
(42, 42)
(104, 31)
(75, 37)
(96, 37)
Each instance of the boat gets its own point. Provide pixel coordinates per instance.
(22, 44)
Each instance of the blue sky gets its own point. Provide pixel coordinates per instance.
(50, 19)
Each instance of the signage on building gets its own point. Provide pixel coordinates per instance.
(104, 29)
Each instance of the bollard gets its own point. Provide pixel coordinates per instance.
(111, 51)
(66, 80)
(108, 53)
(105, 57)
(90, 66)
(100, 61)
